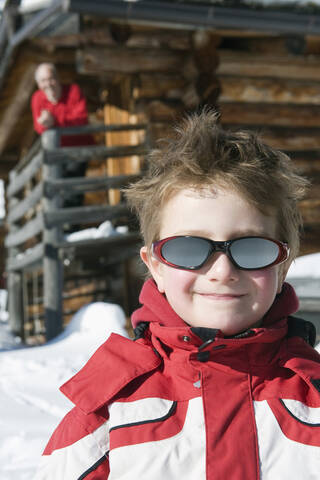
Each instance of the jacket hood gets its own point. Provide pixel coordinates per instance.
(155, 307)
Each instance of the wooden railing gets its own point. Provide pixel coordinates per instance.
(36, 216)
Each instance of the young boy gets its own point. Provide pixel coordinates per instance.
(220, 382)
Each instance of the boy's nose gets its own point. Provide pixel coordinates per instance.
(219, 267)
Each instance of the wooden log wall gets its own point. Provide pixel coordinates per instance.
(155, 74)
(268, 87)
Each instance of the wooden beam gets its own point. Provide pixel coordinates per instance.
(103, 244)
(69, 186)
(88, 214)
(310, 212)
(244, 64)
(270, 114)
(29, 202)
(29, 230)
(26, 260)
(307, 166)
(291, 140)
(128, 60)
(285, 138)
(266, 90)
(81, 154)
(18, 104)
(17, 182)
(159, 85)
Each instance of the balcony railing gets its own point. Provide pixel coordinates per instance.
(37, 217)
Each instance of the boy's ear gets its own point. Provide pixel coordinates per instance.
(155, 267)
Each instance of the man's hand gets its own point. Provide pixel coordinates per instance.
(46, 119)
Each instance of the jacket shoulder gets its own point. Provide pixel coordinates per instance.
(301, 358)
(113, 366)
(77, 447)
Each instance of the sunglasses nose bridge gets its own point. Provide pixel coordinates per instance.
(219, 246)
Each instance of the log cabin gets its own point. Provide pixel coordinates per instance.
(147, 63)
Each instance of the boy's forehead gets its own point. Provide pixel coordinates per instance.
(208, 209)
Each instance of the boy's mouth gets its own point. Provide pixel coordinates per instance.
(222, 296)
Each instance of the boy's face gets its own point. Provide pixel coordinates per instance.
(218, 295)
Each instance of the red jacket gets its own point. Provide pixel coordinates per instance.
(71, 110)
(185, 402)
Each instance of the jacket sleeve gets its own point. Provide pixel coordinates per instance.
(78, 448)
(36, 107)
(74, 111)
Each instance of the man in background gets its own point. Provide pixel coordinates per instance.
(57, 105)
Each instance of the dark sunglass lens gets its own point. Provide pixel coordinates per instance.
(254, 253)
(186, 252)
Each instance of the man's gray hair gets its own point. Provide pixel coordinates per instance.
(49, 65)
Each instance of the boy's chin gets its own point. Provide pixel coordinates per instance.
(227, 329)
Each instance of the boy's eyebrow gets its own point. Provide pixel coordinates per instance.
(235, 234)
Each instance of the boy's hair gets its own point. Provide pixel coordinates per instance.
(202, 155)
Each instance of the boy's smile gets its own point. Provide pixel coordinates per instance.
(218, 295)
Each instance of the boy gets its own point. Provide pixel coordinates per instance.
(220, 382)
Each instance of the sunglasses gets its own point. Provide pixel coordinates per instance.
(246, 253)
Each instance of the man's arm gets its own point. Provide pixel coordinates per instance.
(36, 109)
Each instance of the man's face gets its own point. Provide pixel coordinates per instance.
(48, 83)
(218, 295)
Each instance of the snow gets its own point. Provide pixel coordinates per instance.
(30, 402)
(307, 266)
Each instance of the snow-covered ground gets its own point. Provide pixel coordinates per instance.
(30, 402)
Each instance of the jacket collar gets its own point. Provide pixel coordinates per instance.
(96, 383)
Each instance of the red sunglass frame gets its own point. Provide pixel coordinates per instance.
(219, 246)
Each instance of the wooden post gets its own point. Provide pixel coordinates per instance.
(52, 265)
(15, 304)
(15, 293)
(124, 165)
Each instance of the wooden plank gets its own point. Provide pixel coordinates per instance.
(310, 210)
(160, 111)
(29, 230)
(19, 102)
(159, 85)
(97, 128)
(15, 304)
(310, 239)
(26, 159)
(283, 137)
(52, 263)
(27, 260)
(125, 60)
(244, 64)
(81, 185)
(80, 215)
(22, 208)
(270, 114)
(306, 166)
(286, 140)
(98, 244)
(266, 90)
(81, 154)
(130, 164)
(19, 181)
